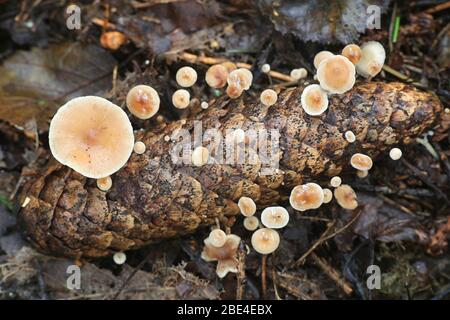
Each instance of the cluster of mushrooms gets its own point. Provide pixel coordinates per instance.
(101, 141)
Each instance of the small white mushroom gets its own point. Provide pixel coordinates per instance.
(327, 195)
(350, 136)
(139, 147)
(395, 153)
(372, 59)
(336, 74)
(105, 183)
(269, 97)
(314, 100)
(247, 206)
(306, 196)
(186, 77)
(361, 162)
(265, 240)
(321, 56)
(119, 258)
(346, 197)
(251, 223)
(181, 99)
(275, 217)
(265, 68)
(217, 237)
(335, 181)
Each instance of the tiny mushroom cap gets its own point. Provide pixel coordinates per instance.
(306, 196)
(234, 91)
(335, 181)
(247, 206)
(139, 147)
(204, 105)
(119, 257)
(186, 76)
(314, 100)
(180, 99)
(269, 97)
(346, 197)
(395, 153)
(372, 59)
(327, 195)
(336, 74)
(241, 78)
(216, 76)
(298, 74)
(275, 217)
(362, 173)
(350, 136)
(105, 183)
(251, 223)
(361, 161)
(92, 136)
(321, 56)
(352, 52)
(226, 255)
(217, 237)
(265, 240)
(143, 101)
(265, 68)
(200, 156)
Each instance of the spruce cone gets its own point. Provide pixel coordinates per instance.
(152, 198)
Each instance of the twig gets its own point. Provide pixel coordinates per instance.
(439, 7)
(193, 58)
(332, 273)
(241, 272)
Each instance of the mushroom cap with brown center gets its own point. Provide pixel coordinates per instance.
(92, 136)
(265, 240)
(314, 100)
(361, 162)
(306, 196)
(352, 52)
(275, 217)
(226, 255)
(346, 197)
(247, 206)
(321, 56)
(216, 76)
(251, 223)
(336, 74)
(372, 59)
(143, 101)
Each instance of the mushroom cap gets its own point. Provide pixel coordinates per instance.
(143, 101)
(216, 76)
(251, 223)
(335, 181)
(321, 56)
(226, 255)
(336, 74)
(275, 217)
(352, 52)
(139, 147)
(372, 59)
(186, 77)
(217, 237)
(395, 153)
(234, 91)
(361, 162)
(350, 136)
(265, 68)
(265, 240)
(181, 98)
(92, 136)
(269, 97)
(105, 183)
(247, 206)
(306, 196)
(241, 78)
(327, 195)
(119, 258)
(298, 74)
(200, 156)
(346, 197)
(314, 100)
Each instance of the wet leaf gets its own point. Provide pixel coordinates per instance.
(322, 20)
(35, 83)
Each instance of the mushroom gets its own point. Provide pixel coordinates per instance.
(372, 59)
(226, 255)
(327, 195)
(265, 240)
(105, 183)
(92, 136)
(350, 136)
(265, 68)
(204, 105)
(395, 153)
(229, 65)
(119, 258)
(275, 217)
(200, 156)
(306, 196)
(361, 162)
(186, 77)
(336, 74)
(143, 101)
(314, 100)
(241, 78)
(139, 147)
(335, 181)
(181, 98)
(216, 76)
(217, 238)
(346, 197)
(112, 40)
(352, 52)
(251, 223)
(234, 91)
(298, 74)
(268, 97)
(321, 56)
(247, 206)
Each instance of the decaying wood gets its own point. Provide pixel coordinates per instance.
(152, 198)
